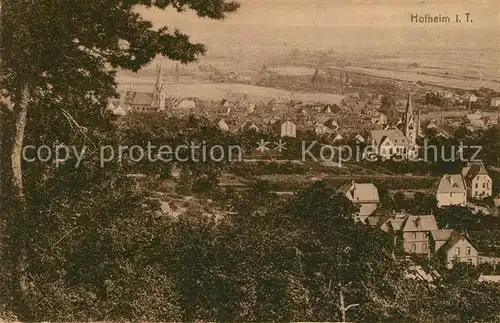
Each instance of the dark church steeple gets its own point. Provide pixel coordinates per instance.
(158, 92)
(409, 122)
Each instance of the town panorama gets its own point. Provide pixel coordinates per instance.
(330, 161)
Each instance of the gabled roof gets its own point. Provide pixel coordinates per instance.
(441, 235)
(331, 123)
(465, 171)
(367, 209)
(396, 136)
(455, 237)
(247, 125)
(416, 223)
(392, 222)
(471, 171)
(360, 192)
(451, 183)
(322, 120)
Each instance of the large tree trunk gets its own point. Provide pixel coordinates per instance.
(342, 307)
(13, 206)
(13, 210)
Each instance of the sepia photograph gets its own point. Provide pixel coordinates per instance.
(250, 161)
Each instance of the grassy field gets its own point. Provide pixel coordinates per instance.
(218, 91)
(293, 70)
(429, 78)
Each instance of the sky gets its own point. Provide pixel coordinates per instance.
(261, 27)
(382, 14)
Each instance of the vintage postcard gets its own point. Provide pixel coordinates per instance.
(250, 160)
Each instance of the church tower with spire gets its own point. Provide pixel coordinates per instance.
(419, 123)
(158, 92)
(409, 128)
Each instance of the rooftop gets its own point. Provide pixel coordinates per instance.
(396, 136)
(451, 183)
(420, 223)
(360, 192)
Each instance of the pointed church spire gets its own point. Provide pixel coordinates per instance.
(158, 92)
(409, 122)
(409, 108)
(159, 77)
(419, 120)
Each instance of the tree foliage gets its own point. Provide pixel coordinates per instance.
(58, 62)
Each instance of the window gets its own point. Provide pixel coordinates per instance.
(424, 247)
(467, 251)
(413, 247)
(424, 235)
(414, 235)
(484, 185)
(477, 185)
(470, 261)
(457, 251)
(391, 151)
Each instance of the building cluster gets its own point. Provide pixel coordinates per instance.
(473, 182)
(398, 141)
(419, 234)
(352, 119)
(355, 118)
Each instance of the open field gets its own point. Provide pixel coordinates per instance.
(218, 91)
(459, 64)
(293, 70)
(415, 76)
